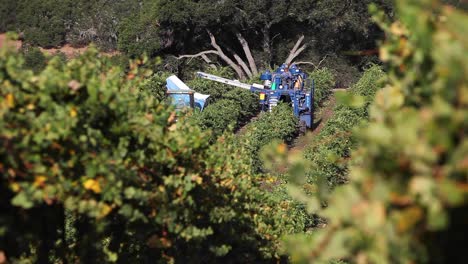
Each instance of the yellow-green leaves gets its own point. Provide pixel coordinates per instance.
(92, 185)
(84, 141)
(408, 175)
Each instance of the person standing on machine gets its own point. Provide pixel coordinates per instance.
(286, 78)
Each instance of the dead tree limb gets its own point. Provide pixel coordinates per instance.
(298, 43)
(224, 57)
(241, 62)
(207, 60)
(241, 68)
(248, 53)
(296, 50)
(243, 65)
(200, 54)
(316, 66)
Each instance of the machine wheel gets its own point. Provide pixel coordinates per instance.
(302, 127)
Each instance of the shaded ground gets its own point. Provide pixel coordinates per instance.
(243, 129)
(321, 118)
(303, 141)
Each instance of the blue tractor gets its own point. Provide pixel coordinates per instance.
(287, 84)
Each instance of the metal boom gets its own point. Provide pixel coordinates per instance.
(228, 81)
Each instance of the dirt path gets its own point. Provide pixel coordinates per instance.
(243, 128)
(66, 49)
(3, 41)
(302, 142)
(325, 113)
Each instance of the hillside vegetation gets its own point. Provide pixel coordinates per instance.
(96, 166)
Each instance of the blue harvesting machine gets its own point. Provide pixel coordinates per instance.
(286, 84)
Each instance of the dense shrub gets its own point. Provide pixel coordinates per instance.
(156, 86)
(407, 198)
(224, 115)
(34, 59)
(120, 60)
(329, 152)
(248, 103)
(44, 23)
(280, 124)
(139, 35)
(324, 80)
(228, 108)
(214, 89)
(8, 15)
(92, 170)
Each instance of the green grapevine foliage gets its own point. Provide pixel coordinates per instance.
(95, 169)
(331, 147)
(407, 197)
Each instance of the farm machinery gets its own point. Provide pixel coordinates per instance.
(286, 84)
(182, 96)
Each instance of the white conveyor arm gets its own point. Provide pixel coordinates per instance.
(224, 80)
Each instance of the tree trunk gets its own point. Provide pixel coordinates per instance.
(267, 44)
(243, 65)
(223, 56)
(296, 50)
(248, 53)
(207, 60)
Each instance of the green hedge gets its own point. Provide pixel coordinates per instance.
(280, 124)
(93, 170)
(216, 90)
(228, 109)
(330, 149)
(407, 199)
(156, 86)
(324, 80)
(224, 115)
(34, 59)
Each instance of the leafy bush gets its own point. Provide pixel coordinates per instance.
(139, 36)
(219, 117)
(407, 199)
(120, 60)
(228, 108)
(156, 86)
(92, 170)
(43, 22)
(214, 89)
(7, 11)
(34, 59)
(324, 81)
(280, 124)
(248, 103)
(331, 148)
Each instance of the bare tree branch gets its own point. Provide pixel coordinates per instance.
(207, 60)
(200, 54)
(275, 36)
(243, 65)
(298, 43)
(223, 56)
(241, 68)
(294, 51)
(311, 63)
(322, 60)
(292, 55)
(240, 62)
(248, 54)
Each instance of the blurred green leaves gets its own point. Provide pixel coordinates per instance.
(88, 152)
(407, 184)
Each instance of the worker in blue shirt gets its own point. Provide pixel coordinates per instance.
(286, 77)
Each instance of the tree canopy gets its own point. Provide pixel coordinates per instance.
(245, 35)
